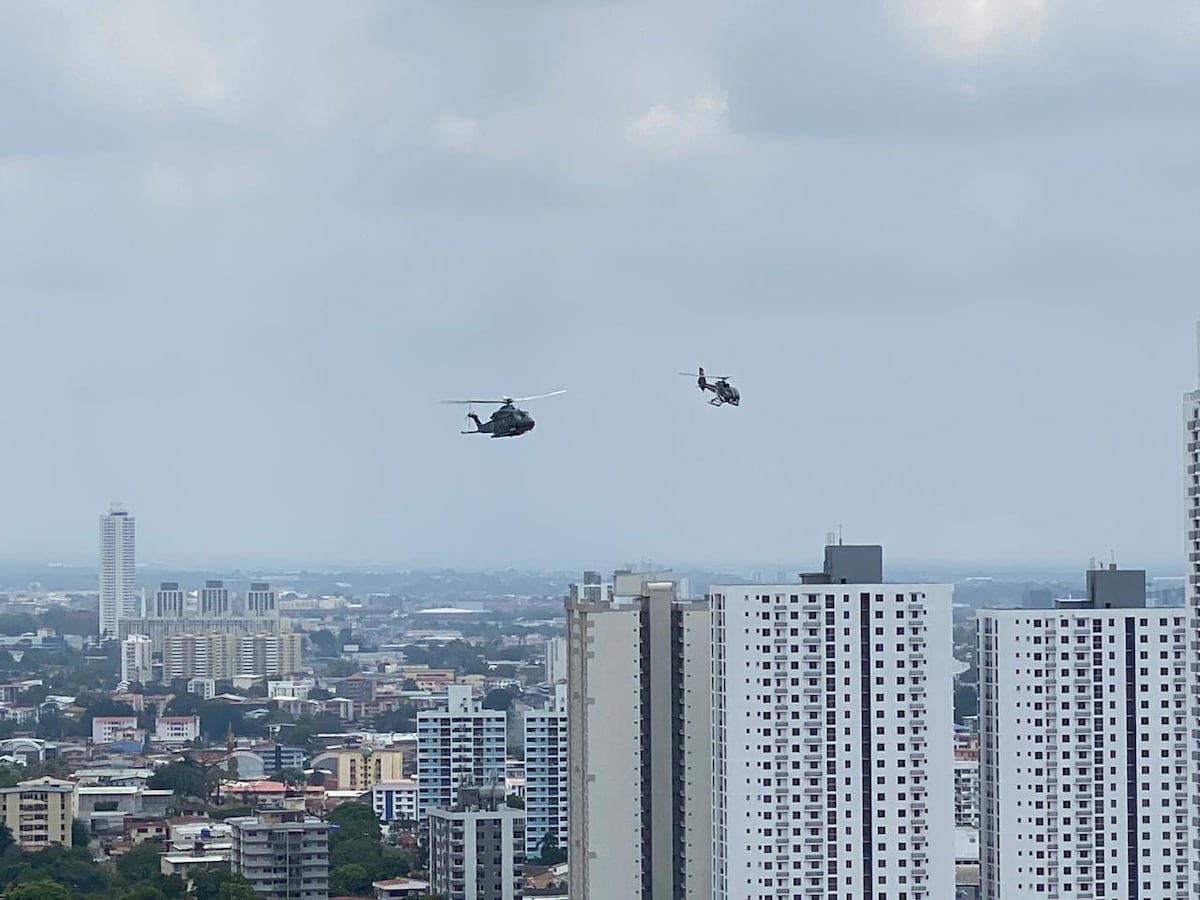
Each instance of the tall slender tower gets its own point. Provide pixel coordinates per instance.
(1191, 419)
(1191, 424)
(118, 597)
(639, 742)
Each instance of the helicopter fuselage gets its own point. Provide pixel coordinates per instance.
(507, 421)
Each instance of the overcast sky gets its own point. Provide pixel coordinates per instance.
(946, 248)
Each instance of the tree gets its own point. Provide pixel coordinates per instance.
(355, 821)
(6, 837)
(549, 853)
(293, 777)
(341, 668)
(38, 890)
(349, 879)
(186, 779)
(966, 702)
(141, 864)
(214, 884)
(512, 801)
(80, 833)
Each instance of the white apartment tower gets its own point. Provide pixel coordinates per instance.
(260, 600)
(1084, 763)
(118, 596)
(546, 774)
(461, 742)
(136, 659)
(1191, 420)
(214, 599)
(168, 601)
(639, 742)
(833, 736)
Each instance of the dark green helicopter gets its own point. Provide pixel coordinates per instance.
(507, 421)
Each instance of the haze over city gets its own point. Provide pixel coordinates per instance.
(944, 250)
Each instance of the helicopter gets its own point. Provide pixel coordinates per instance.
(507, 421)
(723, 391)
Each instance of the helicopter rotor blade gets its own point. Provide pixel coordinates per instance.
(706, 375)
(535, 397)
(470, 402)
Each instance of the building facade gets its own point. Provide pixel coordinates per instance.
(361, 768)
(261, 600)
(137, 659)
(224, 655)
(639, 742)
(283, 852)
(214, 600)
(106, 729)
(546, 789)
(476, 851)
(833, 733)
(169, 601)
(177, 729)
(966, 789)
(395, 801)
(118, 593)
(158, 630)
(39, 813)
(461, 742)
(1084, 765)
(556, 660)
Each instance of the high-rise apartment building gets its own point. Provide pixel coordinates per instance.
(833, 735)
(214, 599)
(546, 774)
(118, 595)
(136, 659)
(260, 600)
(158, 630)
(224, 655)
(168, 601)
(1191, 425)
(283, 852)
(461, 742)
(1084, 764)
(639, 742)
(476, 848)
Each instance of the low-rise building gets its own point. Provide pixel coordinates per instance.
(360, 768)
(177, 729)
(39, 813)
(106, 729)
(395, 801)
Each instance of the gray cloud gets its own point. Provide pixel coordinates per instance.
(245, 248)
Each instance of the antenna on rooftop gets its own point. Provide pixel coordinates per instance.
(839, 534)
(829, 538)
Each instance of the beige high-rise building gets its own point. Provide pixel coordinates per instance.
(639, 742)
(39, 813)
